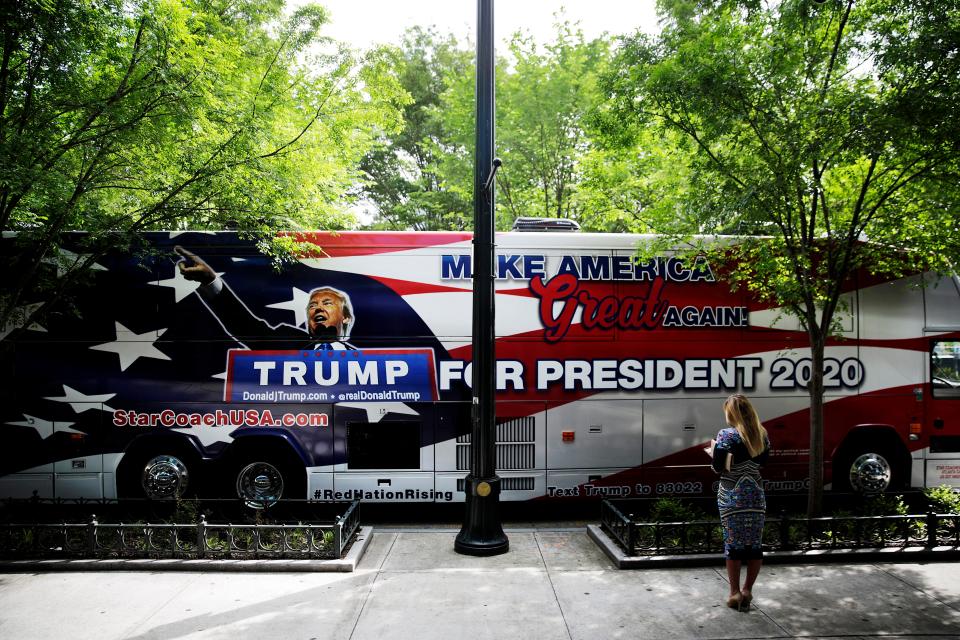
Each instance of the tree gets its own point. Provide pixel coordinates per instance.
(831, 125)
(544, 93)
(634, 184)
(401, 171)
(118, 117)
(544, 133)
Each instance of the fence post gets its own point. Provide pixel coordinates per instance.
(202, 536)
(932, 524)
(92, 534)
(338, 534)
(631, 536)
(784, 530)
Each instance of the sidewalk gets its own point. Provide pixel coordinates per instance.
(552, 584)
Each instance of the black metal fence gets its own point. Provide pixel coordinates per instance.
(200, 540)
(930, 531)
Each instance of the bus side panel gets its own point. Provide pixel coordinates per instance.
(941, 427)
(589, 345)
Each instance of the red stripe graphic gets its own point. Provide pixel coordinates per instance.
(360, 243)
(408, 288)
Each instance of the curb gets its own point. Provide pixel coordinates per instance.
(848, 556)
(346, 564)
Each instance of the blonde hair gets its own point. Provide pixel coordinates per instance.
(743, 417)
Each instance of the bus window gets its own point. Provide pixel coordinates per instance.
(383, 445)
(945, 368)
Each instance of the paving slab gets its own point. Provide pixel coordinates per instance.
(939, 580)
(429, 551)
(98, 606)
(665, 604)
(324, 605)
(457, 602)
(376, 552)
(8, 579)
(886, 637)
(571, 551)
(805, 601)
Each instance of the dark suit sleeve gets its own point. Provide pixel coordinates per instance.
(246, 328)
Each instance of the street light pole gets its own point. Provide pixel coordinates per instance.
(482, 533)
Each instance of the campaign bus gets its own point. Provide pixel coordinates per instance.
(199, 369)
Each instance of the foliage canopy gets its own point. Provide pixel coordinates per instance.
(825, 126)
(118, 117)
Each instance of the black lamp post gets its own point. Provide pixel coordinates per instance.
(482, 533)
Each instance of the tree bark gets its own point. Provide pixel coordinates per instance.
(815, 494)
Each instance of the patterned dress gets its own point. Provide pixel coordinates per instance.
(740, 497)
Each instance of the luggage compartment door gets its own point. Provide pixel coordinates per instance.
(384, 452)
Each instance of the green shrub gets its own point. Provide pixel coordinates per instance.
(674, 510)
(837, 529)
(883, 505)
(185, 512)
(943, 499)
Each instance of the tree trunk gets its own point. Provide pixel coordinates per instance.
(815, 494)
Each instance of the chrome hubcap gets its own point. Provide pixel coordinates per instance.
(259, 485)
(870, 473)
(165, 477)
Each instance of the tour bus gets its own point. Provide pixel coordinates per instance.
(199, 369)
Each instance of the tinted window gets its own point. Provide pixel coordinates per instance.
(383, 445)
(945, 368)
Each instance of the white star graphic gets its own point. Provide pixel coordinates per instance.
(180, 285)
(208, 435)
(174, 234)
(67, 260)
(133, 346)
(80, 402)
(220, 376)
(298, 305)
(44, 428)
(377, 410)
(18, 317)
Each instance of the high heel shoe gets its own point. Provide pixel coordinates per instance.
(735, 601)
(745, 600)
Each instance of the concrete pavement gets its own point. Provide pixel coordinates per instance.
(552, 584)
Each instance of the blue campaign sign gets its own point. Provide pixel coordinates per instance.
(394, 375)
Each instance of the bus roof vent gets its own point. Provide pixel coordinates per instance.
(545, 224)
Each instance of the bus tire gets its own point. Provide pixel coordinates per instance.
(868, 470)
(166, 472)
(263, 476)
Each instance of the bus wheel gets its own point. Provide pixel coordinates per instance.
(155, 476)
(260, 484)
(867, 472)
(870, 473)
(165, 476)
(263, 472)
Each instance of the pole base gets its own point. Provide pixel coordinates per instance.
(482, 533)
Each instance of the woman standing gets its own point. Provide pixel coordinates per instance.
(738, 453)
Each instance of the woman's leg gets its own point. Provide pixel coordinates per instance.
(753, 570)
(754, 564)
(733, 576)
